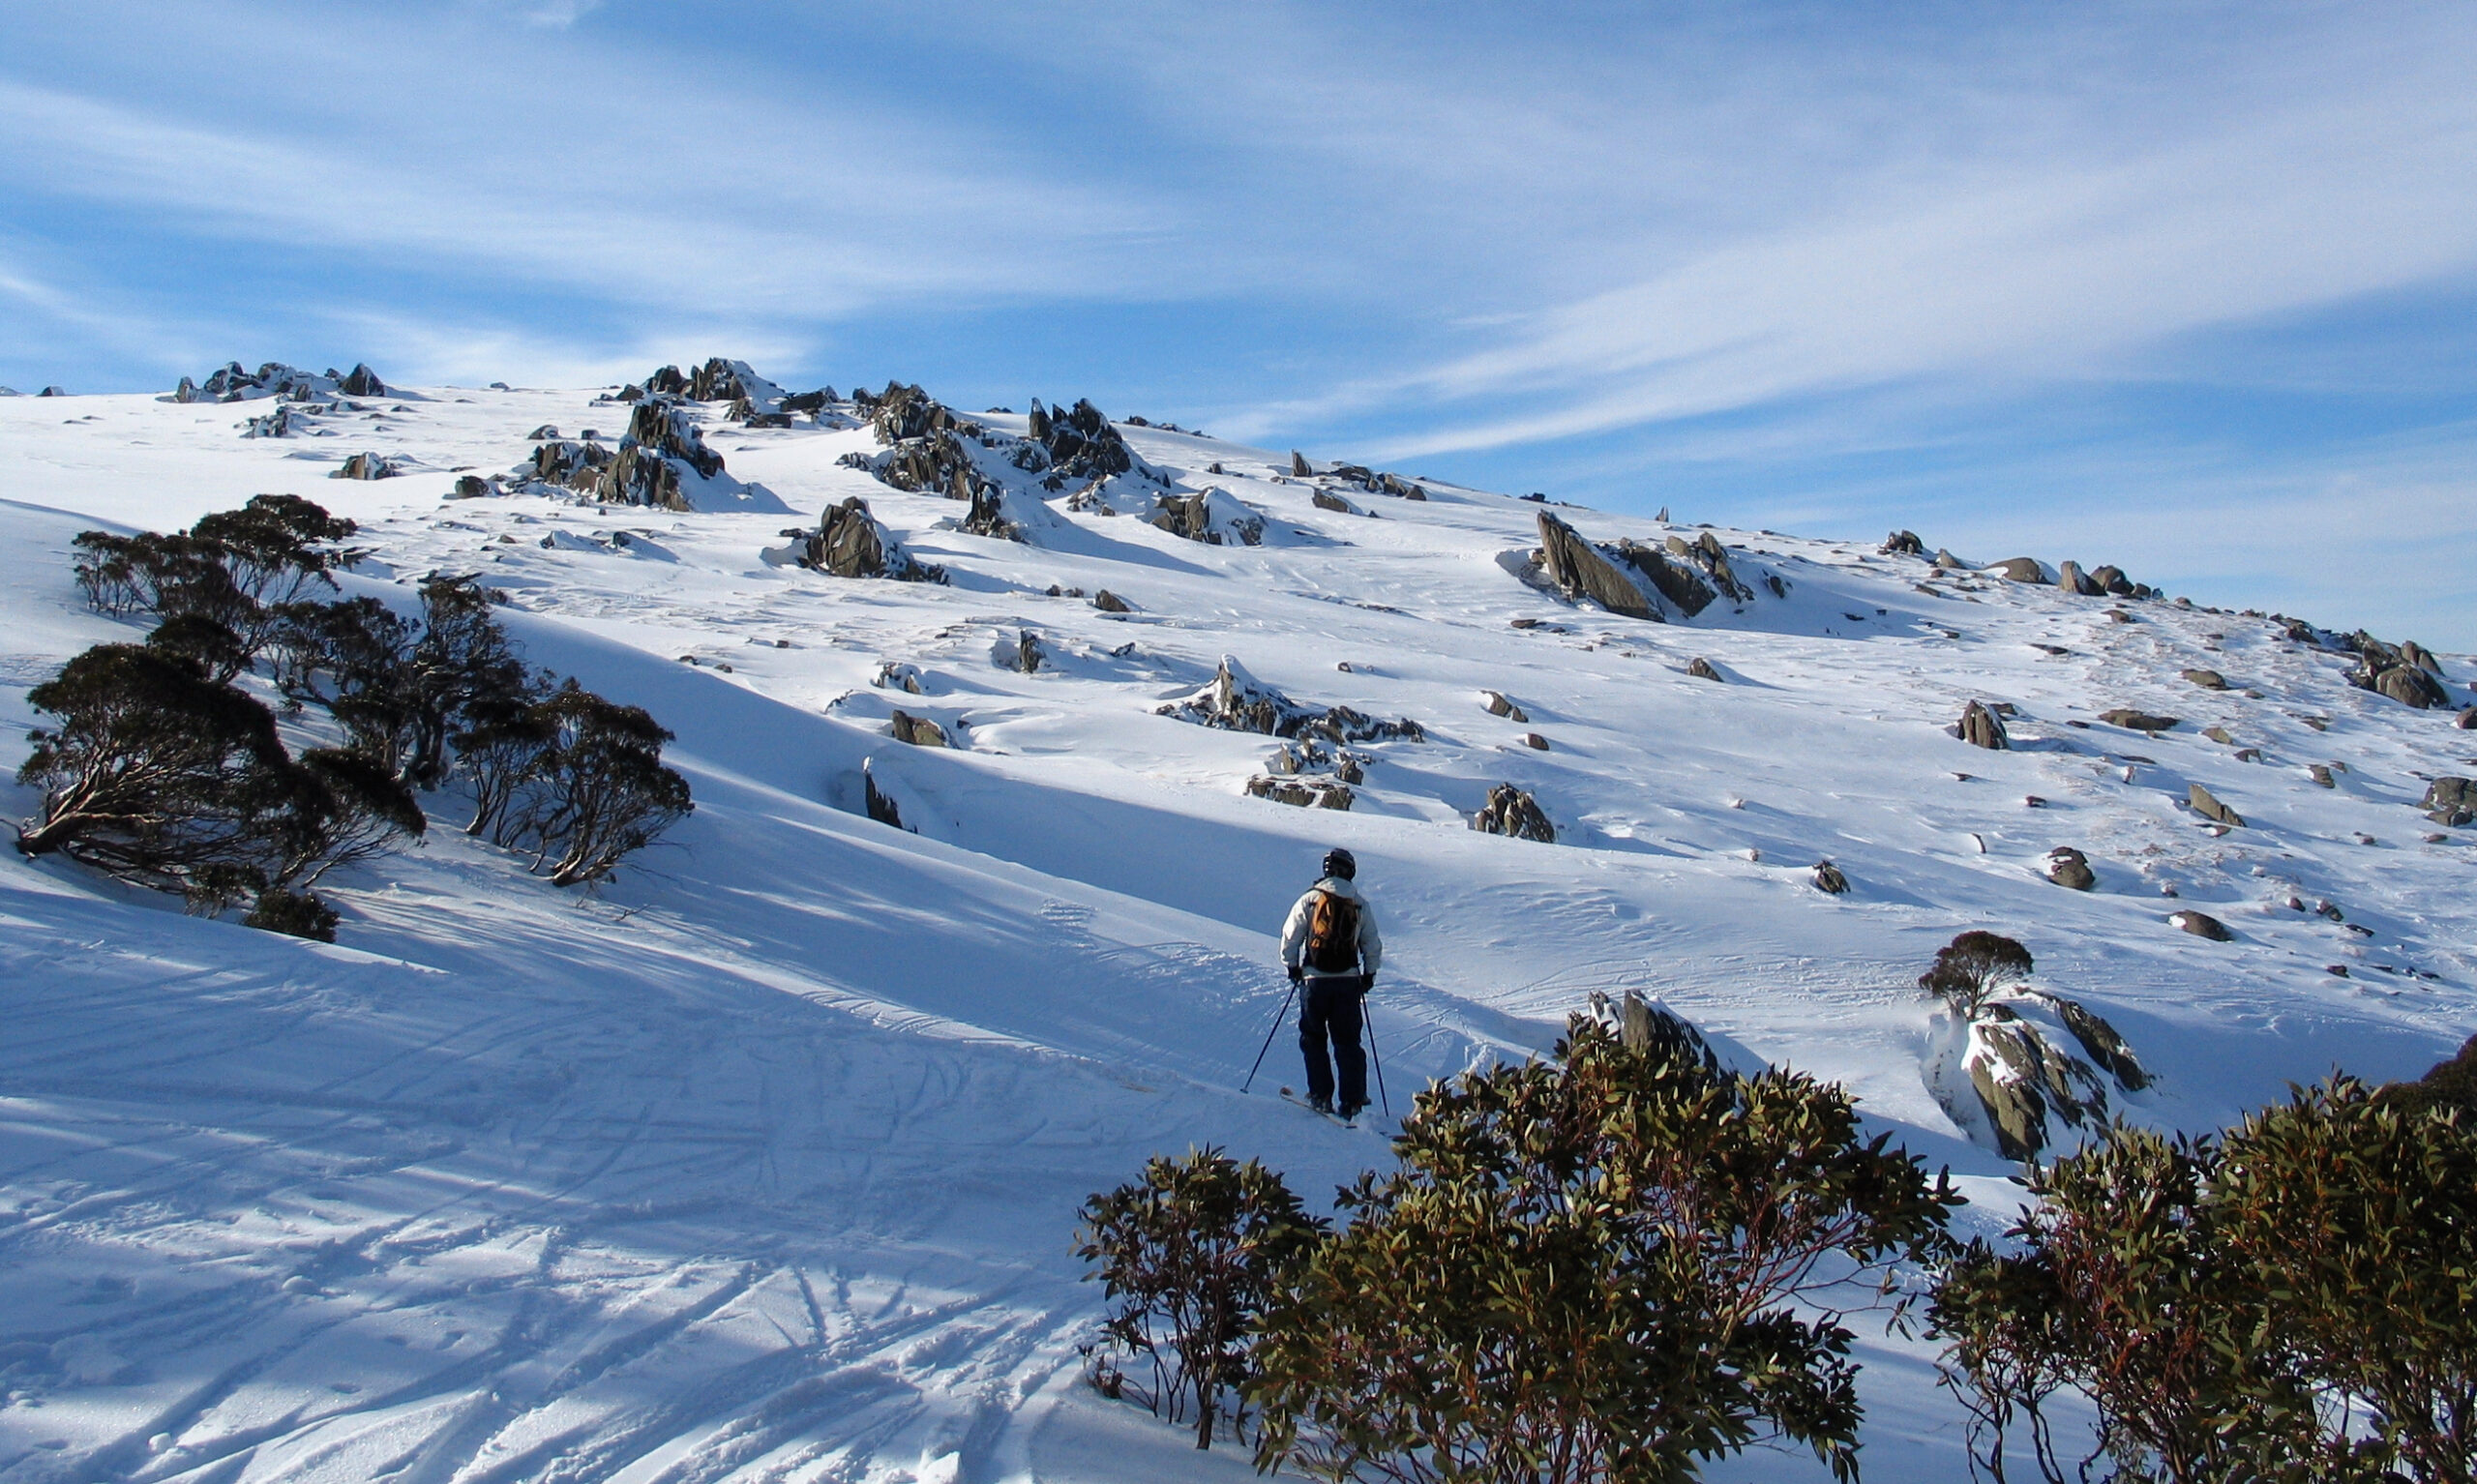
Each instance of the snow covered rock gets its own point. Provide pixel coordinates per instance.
(1701, 668)
(2203, 925)
(1903, 543)
(1979, 726)
(1238, 701)
(1830, 880)
(2069, 868)
(1649, 1025)
(272, 425)
(2451, 801)
(366, 466)
(917, 731)
(1304, 793)
(1581, 572)
(2139, 720)
(1079, 446)
(1213, 517)
(849, 543)
(2023, 569)
(1498, 705)
(2007, 1076)
(1511, 811)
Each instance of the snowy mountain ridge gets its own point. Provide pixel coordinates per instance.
(762, 1162)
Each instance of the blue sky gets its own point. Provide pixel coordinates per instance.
(2188, 287)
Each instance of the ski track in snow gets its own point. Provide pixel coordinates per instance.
(763, 1163)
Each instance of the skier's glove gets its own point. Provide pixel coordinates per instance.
(1297, 973)
(1366, 982)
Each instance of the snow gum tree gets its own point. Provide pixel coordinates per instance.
(598, 790)
(1608, 1267)
(1189, 1254)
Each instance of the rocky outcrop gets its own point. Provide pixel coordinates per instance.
(1980, 727)
(2010, 1074)
(881, 805)
(1300, 467)
(2207, 805)
(1828, 879)
(362, 381)
(917, 731)
(1688, 593)
(892, 676)
(2207, 679)
(367, 467)
(2467, 720)
(2021, 569)
(1648, 1027)
(1213, 517)
(2139, 720)
(1903, 543)
(2321, 773)
(2101, 1042)
(1581, 572)
(1109, 602)
(2410, 686)
(849, 543)
(1700, 669)
(568, 464)
(2112, 581)
(1332, 502)
(1498, 705)
(1079, 446)
(1238, 701)
(662, 450)
(2451, 801)
(233, 383)
(2073, 580)
(1509, 811)
(1706, 552)
(1304, 793)
(272, 425)
(2069, 868)
(1027, 654)
(2203, 925)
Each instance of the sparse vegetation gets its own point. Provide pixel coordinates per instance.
(1973, 967)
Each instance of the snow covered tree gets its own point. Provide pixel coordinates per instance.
(1608, 1266)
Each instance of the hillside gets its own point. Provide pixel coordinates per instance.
(761, 1163)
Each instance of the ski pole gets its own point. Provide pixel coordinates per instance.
(1279, 1016)
(1370, 1022)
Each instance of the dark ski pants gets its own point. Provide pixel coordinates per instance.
(1328, 1010)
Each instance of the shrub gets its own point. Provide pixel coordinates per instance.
(402, 688)
(1972, 967)
(239, 568)
(1593, 1270)
(1189, 1254)
(598, 791)
(2298, 1300)
(156, 773)
(299, 913)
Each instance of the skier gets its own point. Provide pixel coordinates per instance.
(1331, 949)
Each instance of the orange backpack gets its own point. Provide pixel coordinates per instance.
(1333, 935)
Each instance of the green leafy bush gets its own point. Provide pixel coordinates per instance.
(1189, 1254)
(1608, 1267)
(2295, 1300)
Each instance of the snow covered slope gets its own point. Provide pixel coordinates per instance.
(762, 1162)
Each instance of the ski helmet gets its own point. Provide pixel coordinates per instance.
(1339, 862)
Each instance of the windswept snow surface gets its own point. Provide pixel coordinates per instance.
(762, 1162)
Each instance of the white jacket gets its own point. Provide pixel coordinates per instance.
(1294, 932)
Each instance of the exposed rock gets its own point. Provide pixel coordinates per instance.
(2321, 773)
(2021, 569)
(1707, 553)
(2467, 720)
(2207, 679)
(2101, 1042)
(2451, 801)
(2070, 578)
(274, 425)
(2203, 925)
(1079, 446)
(1828, 879)
(2221, 736)
(1214, 518)
(2023, 1080)
(881, 806)
(2206, 805)
(1028, 652)
(2067, 867)
(1981, 729)
(1577, 567)
(362, 381)
(662, 445)
(472, 486)
(1946, 561)
(1700, 669)
(544, 433)
(1672, 581)
(2410, 686)
(1331, 502)
(1903, 543)
(1509, 811)
(1532, 739)
(2112, 581)
(892, 676)
(1498, 705)
(919, 731)
(1109, 602)
(2413, 653)
(1306, 793)
(1300, 467)
(569, 463)
(849, 543)
(1648, 1026)
(902, 413)
(366, 466)
(1238, 701)
(2139, 720)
